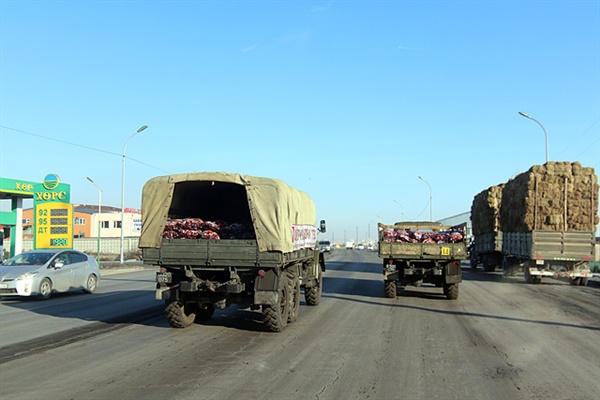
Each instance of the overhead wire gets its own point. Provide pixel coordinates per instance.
(82, 146)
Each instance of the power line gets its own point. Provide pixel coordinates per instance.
(82, 146)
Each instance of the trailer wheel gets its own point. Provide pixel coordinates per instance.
(390, 289)
(451, 291)
(275, 317)
(312, 295)
(180, 315)
(294, 280)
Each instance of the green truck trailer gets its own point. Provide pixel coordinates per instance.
(220, 239)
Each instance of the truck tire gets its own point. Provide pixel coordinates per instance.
(180, 315)
(451, 291)
(473, 261)
(275, 317)
(489, 268)
(294, 281)
(390, 289)
(312, 295)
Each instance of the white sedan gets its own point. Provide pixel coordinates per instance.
(42, 272)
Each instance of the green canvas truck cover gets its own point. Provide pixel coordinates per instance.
(283, 217)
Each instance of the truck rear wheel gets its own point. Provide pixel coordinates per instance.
(312, 295)
(180, 315)
(294, 280)
(473, 261)
(275, 317)
(390, 289)
(451, 291)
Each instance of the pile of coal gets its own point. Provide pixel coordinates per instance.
(410, 236)
(197, 228)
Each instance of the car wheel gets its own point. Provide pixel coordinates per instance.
(91, 284)
(45, 290)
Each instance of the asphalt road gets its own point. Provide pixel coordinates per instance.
(502, 339)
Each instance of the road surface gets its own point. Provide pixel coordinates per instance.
(502, 339)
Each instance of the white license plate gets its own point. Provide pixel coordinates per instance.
(163, 277)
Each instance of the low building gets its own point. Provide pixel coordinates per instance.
(88, 223)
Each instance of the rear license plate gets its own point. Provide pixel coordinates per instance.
(163, 277)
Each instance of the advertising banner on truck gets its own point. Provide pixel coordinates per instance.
(304, 237)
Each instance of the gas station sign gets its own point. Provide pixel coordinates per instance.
(54, 226)
(53, 222)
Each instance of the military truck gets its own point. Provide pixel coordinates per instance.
(542, 222)
(220, 239)
(422, 252)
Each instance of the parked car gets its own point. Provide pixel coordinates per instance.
(42, 272)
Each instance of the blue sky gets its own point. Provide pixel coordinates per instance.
(350, 101)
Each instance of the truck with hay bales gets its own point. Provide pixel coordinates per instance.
(543, 221)
(220, 239)
(422, 252)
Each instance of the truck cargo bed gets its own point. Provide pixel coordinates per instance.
(424, 251)
(550, 245)
(203, 252)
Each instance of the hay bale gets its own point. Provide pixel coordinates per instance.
(485, 210)
(553, 196)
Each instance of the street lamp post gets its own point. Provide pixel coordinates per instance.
(123, 190)
(430, 199)
(99, 212)
(401, 207)
(539, 123)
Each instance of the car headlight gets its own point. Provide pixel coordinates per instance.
(27, 275)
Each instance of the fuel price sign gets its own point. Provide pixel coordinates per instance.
(53, 225)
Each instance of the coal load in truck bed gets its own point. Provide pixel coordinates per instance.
(557, 196)
(411, 236)
(197, 228)
(485, 210)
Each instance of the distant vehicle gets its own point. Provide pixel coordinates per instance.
(324, 246)
(349, 245)
(370, 247)
(360, 246)
(42, 272)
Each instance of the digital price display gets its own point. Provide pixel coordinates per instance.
(53, 225)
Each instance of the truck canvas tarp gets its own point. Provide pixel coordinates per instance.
(221, 239)
(282, 216)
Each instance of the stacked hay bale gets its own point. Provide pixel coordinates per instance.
(555, 196)
(485, 210)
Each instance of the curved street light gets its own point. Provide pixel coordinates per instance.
(123, 190)
(539, 123)
(430, 199)
(402, 208)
